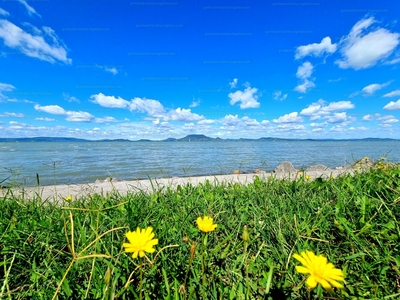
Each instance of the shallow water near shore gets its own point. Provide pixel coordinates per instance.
(84, 162)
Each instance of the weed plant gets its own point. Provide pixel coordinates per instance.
(73, 249)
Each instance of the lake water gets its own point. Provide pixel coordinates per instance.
(83, 162)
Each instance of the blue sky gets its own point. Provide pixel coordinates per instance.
(232, 69)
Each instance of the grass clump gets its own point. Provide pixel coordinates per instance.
(74, 249)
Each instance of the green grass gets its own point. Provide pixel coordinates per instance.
(74, 249)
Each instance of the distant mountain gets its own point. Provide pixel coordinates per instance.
(56, 139)
(188, 138)
(195, 138)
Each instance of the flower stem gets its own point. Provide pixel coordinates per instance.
(141, 281)
(203, 267)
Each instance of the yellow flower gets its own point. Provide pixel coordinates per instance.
(68, 198)
(308, 177)
(206, 224)
(140, 241)
(320, 270)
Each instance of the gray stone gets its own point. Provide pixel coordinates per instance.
(285, 167)
(318, 167)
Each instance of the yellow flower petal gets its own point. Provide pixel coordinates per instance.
(311, 282)
(206, 224)
(320, 270)
(140, 241)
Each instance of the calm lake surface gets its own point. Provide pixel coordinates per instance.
(83, 162)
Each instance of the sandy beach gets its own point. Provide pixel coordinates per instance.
(147, 186)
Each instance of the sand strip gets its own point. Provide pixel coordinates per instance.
(147, 186)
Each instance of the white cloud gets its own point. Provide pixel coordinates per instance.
(29, 8)
(51, 109)
(361, 49)
(183, 115)
(12, 115)
(337, 118)
(368, 118)
(5, 87)
(318, 125)
(372, 88)
(195, 103)
(320, 109)
(278, 96)
(392, 62)
(311, 110)
(69, 98)
(340, 105)
(305, 86)
(34, 45)
(289, 118)
(230, 120)
(392, 94)
(392, 105)
(305, 70)
(106, 119)
(152, 107)
(303, 73)
(79, 116)
(3, 12)
(45, 119)
(206, 122)
(112, 70)
(290, 127)
(233, 83)
(247, 98)
(109, 101)
(73, 116)
(316, 49)
(388, 119)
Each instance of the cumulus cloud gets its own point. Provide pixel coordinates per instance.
(363, 49)
(290, 127)
(337, 118)
(320, 109)
(109, 101)
(316, 49)
(369, 90)
(247, 98)
(42, 44)
(12, 115)
(230, 120)
(289, 118)
(304, 72)
(392, 105)
(388, 119)
(392, 94)
(73, 116)
(206, 122)
(233, 83)
(183, 115)
(150, 106)
(106, 119)
(278, 96)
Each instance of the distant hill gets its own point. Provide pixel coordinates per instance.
(188, 138)
(195, 138)
(56, 139)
